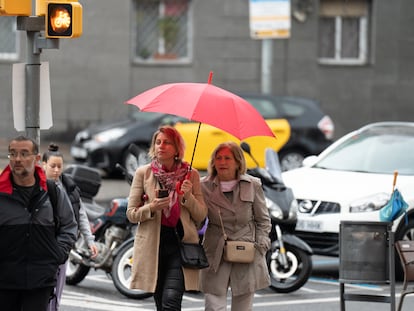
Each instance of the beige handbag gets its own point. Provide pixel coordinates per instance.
(237, 251)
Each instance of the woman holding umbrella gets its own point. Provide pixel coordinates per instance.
(157, 263)
(237, 210)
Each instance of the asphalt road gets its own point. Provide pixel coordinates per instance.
(320, 293)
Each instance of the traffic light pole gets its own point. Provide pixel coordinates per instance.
(33, 25)
(64, 20)
(32, 75)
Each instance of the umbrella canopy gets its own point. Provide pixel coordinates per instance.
(396, 206)
(205, 103)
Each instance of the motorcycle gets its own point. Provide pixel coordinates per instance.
(289, 259)
(112, 230)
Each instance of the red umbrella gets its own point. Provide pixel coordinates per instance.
(205, 103)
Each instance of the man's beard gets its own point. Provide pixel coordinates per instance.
(23, 173)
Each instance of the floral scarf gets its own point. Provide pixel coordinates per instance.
(168, 180)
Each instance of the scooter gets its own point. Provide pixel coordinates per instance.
(110, 227)
(290, 259)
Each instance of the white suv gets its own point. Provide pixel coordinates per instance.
(352, 180)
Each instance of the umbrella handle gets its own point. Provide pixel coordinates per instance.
(395, 180)
(179, 183)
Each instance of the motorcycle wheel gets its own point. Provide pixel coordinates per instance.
(121, 274)
(75, 272)
(286, 280)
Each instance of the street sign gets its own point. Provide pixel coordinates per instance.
(269, 19)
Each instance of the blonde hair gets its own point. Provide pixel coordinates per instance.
(174, 135)
(238, 157)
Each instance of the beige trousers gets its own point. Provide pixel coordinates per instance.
(238, 303)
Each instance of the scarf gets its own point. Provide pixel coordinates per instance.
(168, 180)
(227, 186)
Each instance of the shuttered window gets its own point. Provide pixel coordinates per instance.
(344, 32)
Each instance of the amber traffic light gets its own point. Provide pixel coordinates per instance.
(63, 20)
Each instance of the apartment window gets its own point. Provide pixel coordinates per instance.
(9, 39)
(343, 32)
(162, 30)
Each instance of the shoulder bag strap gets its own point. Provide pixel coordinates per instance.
(222, 226)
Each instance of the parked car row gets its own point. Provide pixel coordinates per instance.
(352, 180)
(299, 124)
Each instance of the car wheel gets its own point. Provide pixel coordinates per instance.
(131, 163)
(291, 159)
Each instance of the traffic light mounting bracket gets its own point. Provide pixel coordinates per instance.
(37, 24)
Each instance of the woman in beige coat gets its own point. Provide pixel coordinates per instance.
(239, 199)
(157, 263)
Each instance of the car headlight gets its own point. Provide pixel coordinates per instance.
(109, 135)
(370, 203)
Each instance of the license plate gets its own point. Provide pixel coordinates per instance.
(79, 153)
(309, 225)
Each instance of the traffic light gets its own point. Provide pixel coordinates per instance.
(16, 7)
(63, 20)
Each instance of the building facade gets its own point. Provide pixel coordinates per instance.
(354, 56)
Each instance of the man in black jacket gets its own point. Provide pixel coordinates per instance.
(32, 247)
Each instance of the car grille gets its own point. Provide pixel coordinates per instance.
(314, 207)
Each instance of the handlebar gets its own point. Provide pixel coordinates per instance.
(125, 172)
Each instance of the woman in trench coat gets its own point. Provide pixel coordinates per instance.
(157, 263)
(239, 198)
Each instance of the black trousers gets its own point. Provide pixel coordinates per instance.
(25, 300)
(170, 284)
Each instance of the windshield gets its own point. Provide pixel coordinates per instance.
(377, 150)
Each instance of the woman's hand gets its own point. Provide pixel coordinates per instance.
(186, 188)
(159, 204)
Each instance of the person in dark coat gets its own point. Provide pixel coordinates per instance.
(32, 245)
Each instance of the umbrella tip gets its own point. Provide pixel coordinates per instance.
(210, 77)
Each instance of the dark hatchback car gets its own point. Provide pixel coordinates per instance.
(311, 129)
(103, 145)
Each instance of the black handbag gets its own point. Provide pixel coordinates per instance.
(192, 254)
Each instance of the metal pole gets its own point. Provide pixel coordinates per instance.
(32, 75)
(33, 25)
(267, 62)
